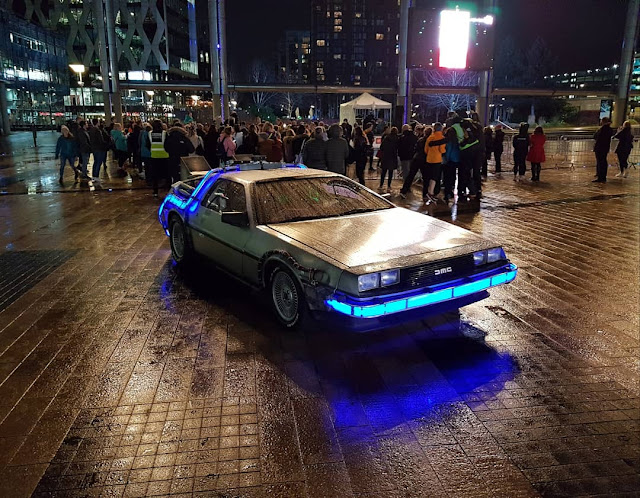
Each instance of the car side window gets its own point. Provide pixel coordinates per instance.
(226, 196)
(237, 200)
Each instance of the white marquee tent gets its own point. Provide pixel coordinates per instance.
(365, 102)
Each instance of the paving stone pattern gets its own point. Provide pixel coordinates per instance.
(120, 376)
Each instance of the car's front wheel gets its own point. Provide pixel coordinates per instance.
(287, 298)
(180, 247)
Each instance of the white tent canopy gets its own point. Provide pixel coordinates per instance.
(366, 102)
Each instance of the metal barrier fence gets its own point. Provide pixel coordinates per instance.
(570, 151)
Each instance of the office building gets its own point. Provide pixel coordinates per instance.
(34, 72)
(293, 64)
(355, 42)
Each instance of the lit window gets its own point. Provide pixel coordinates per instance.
(379, 36)
(337, 29)
(358, 15)
(379, 64)
(337, 56)
(320, 43)
(337, 13)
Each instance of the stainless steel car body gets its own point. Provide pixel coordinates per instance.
(327, 255)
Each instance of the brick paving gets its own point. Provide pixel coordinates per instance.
(120, 376)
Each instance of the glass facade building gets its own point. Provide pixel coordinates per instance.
(34, 67)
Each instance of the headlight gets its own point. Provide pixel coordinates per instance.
(368, 282)
(479, 258)
(389, 277)
(495, 254)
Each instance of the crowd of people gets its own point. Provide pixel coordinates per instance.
(456, 152)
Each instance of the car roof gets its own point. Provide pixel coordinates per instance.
(254, 176)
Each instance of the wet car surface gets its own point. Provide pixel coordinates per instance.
(122, 376)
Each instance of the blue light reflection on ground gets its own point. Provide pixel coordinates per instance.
(425, 375)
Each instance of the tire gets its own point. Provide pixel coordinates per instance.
(287, 298)
(181, 250)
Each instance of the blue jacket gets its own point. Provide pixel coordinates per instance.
(66, 147)
(120, 140)
(452, 154)
(145, 144)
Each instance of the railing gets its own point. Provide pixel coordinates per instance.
(570, 151)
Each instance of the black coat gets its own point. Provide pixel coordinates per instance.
(498, 140)
(603, 139)
(520, 146)
(406, 145)
(177, 145)
(389, 151)
(625, 143)
(84, 141)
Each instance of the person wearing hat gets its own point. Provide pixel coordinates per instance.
(601, 149)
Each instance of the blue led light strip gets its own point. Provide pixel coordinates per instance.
(427, 299)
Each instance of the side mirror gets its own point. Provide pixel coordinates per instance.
(236, 218)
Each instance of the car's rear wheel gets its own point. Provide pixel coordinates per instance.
(287, 298)
(180, 247)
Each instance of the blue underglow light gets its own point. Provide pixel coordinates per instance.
(499, 279)
(395, 306)
(369, 311)
(338, 306)
(166, 230)
(431, 298)
(471, 288)
(511, 275)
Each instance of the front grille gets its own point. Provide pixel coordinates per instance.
(424, 275)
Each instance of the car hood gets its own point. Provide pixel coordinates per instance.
(381, 238)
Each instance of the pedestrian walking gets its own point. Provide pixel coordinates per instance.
(418, 163)
(368, 132)
(34, 132)
(498, 148)
(159, 156)
(451, 163)
(389, 158)
(406, 148)
(536, 152)
(337, 150)
(488, 149)
(625, 144)
(211, 146)
(120, 147)
(360, 147)
(469, 150)
(177, 145)
(66, 151)
(347, 129)
(100, 141)
(314, 154)
(601, 149)
(520, 151)
(133, 147)
(434, 160)
(145, 152)
(84, 149)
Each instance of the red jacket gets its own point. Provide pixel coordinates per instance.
(536, 151)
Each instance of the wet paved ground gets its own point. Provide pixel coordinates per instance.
(121, 377)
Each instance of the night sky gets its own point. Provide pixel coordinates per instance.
(580, 33)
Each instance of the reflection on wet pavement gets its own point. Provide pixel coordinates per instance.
(120, 376)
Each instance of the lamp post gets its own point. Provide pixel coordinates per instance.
(79, 69)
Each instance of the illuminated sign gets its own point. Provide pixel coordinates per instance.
(453, 39)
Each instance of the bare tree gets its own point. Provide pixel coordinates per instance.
(445, 102)
(260, 74)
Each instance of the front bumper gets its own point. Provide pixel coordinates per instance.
(459, 289)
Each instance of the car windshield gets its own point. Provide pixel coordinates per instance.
(297, 199)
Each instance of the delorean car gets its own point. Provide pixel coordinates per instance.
(316, 241)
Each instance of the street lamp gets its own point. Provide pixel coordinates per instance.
(79, 69)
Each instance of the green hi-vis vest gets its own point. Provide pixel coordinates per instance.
(157, 145)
